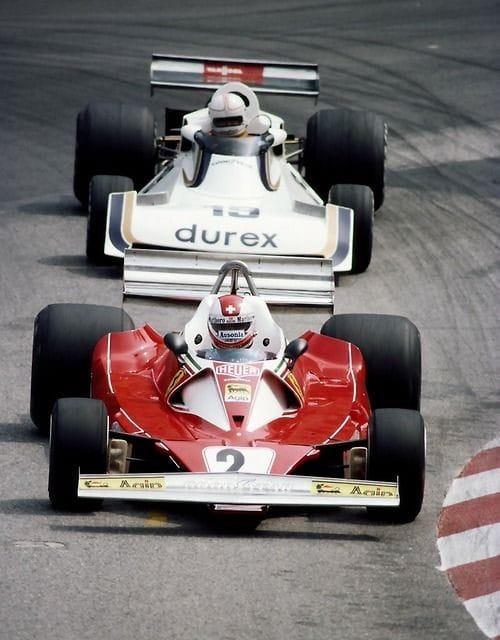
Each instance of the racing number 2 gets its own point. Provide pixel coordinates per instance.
(238, 459)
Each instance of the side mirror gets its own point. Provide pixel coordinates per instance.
(279, 136)
(294, 350)
(176, 343)
(188, 131)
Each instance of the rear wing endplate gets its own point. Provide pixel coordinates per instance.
(190, 275)
(290, 78)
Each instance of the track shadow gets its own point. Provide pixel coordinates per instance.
(22, 431)
(461, 175)
(188, 528)
(189, 520)
(78, 264)
(63, 206)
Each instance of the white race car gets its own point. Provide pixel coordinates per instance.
(173, 207)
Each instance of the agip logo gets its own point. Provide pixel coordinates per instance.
(237, 392)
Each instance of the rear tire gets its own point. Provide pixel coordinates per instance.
(392, 353)
(100, 188)
(396, 449)
(359, 198)
(344, 146)
(113, 139)
(64, 338)
(78, 441)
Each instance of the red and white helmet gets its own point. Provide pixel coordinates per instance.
(231, 322)
(227, 113)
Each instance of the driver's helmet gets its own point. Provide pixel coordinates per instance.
(231, 322)
(227, 113)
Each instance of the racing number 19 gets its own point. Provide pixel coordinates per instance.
(236, 212)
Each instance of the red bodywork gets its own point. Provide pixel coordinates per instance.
(140, 381)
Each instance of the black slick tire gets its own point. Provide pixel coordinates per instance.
(113, 139)
(64, 338)
(392, 353)
(359, 198)
(100, 188)
(78, 441)
(396, 450)
(345, 146)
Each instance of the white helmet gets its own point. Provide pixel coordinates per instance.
(227, 113)
(231, 322)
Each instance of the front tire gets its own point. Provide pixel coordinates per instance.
(78, 441)
(396, 450)
(100, 188)
(359, 198)
(64, 338)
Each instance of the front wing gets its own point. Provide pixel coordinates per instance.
(240, 489)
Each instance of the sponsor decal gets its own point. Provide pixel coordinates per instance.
(292, 381)
(224, 72)
(231, 334)
(353, 489)
(245, 485)
(156, 483)
(237, 370)
(233, 319)
(237, 392)
(175, 381)
(233, 161)
(194, 234)
(96, 484)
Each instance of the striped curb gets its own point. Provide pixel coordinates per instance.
(469, 538)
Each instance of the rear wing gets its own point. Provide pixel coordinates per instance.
(190, 275)
(289, 78)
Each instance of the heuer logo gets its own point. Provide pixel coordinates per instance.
(236, 370)
(226, 238)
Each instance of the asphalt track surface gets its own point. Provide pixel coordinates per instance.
(432, 70)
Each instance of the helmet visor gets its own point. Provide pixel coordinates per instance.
(228, 122)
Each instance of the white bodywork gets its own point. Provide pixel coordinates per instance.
(233, 197)
(268, 398)
(287, 222)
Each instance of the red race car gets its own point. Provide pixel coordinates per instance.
(227, 413)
